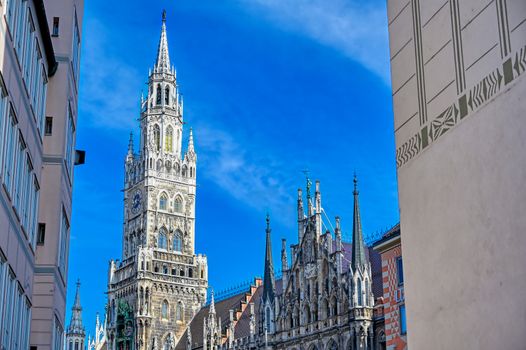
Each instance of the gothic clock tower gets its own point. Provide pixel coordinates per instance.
(160, 283)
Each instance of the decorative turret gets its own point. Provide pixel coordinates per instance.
(338, 234)
(75, 334)
(284, 263)
(269, 283)
(358, 249)
(301, 215)
(267, 306)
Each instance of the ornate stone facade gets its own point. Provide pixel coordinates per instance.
(324, 299)
(160, 283)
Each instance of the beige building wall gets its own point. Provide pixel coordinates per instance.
(459, 87)
(50, 281)
(26, 63)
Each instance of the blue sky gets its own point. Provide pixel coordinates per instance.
(271, 88)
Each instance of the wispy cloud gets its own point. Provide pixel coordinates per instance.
(356, 28)
(255, 179)
(109, 84)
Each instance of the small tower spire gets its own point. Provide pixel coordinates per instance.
(358, 249)
(191, 141)
(269, 283)
(163, 57)
(75, 331)
(130, 144)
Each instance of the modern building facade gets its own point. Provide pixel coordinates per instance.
(31, 76)
(59, 158)
(160, 283)
(458, 82)
(390, 249)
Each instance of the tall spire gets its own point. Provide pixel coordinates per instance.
(163, 57)
(269, 284)
(358, 249)
(75, 325)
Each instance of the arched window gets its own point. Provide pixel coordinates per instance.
(158, 93)
(168, 139)
(157, 137)
(167, 95)
(161, 243)
(179, 312)
(163, 201)
(76, 345)
(367, 292)
(359, 291)
(164, 310)
(267, 318)
(177, 243)
(178, 205)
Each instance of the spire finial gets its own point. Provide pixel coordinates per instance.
(309, 183)
(212, 303)
(163, 58)
(269, 283)
(191, 141)
(358, 248)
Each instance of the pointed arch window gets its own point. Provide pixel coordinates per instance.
(158, 95)
(178, 205)
(163, 202)
(267, 319)
(177, 243)
(164, 310)
(167, 95)
(359, 292)
(157, 137)
(162, 242)
(179, 312)
(366, 292)
(168, 139)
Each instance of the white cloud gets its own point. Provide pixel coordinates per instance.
(358, 29)
(248, 175)
(109, 96)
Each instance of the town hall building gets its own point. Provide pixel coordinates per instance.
(326, 297)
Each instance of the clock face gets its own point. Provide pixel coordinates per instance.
(136, 202)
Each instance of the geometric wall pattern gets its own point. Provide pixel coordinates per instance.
(470, 101)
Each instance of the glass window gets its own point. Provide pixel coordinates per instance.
(64, 230)
(75, 60)
(56, 21)
(167, 95)
(179, 312)
(177, 244)
(163, 202)
(70, 144)
(158, 93)
(178, 204)
(162, 239)
(164, 310)
(403, 327)
(168, 139)
(157, 137)
(400, 270)
(10, 147)
(3, 125)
